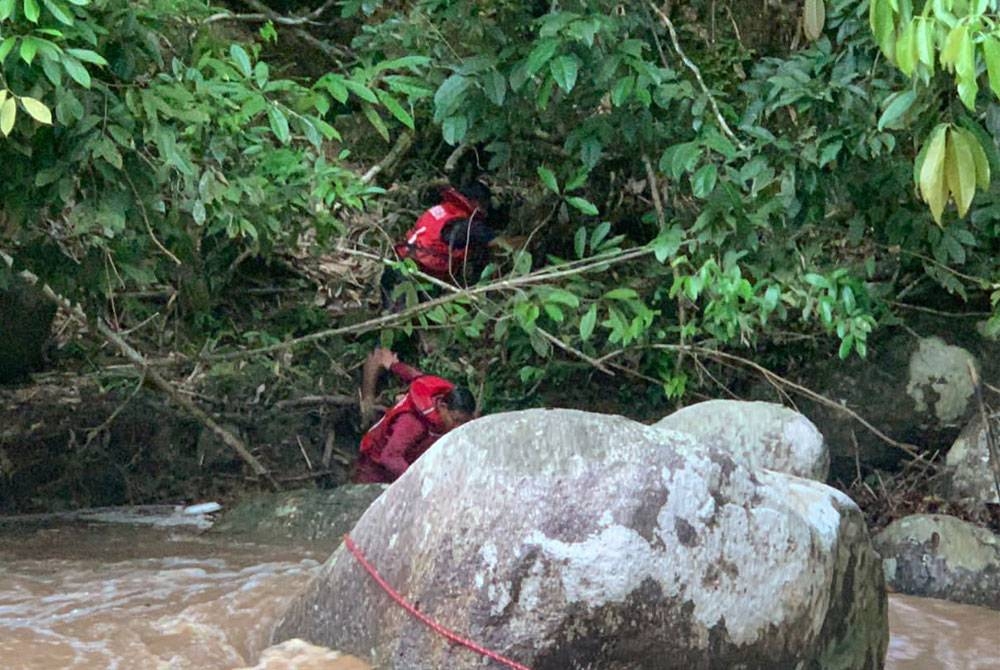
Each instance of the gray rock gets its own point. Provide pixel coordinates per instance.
(943, 557)
(968, 464)
(306, 515)
(565, 539)
(765, 434)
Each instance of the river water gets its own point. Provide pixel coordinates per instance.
(95, 596)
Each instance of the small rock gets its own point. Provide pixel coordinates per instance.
(940, 556)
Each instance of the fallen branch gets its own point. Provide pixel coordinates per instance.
(140, 363)
(402, 145)
(339, 400)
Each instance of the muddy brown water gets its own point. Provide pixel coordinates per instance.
(120, 597)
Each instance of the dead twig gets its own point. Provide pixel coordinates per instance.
(335, 399)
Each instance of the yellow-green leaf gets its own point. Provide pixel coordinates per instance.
(882, 19)
(8, 112)
(906, 50)
(814, 18)
(954, 45)
(37, 109)
(980, 158)
(960, 170)
(933, 187)
(3, 96)
(991, 54)
(925, 42)
(31, 10)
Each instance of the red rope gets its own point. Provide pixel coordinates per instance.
(426, 620)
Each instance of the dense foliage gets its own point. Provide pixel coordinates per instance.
(683, 188)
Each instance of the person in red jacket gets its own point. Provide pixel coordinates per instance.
(450, 241)
(430, 408)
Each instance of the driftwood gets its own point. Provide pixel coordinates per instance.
(141, 364)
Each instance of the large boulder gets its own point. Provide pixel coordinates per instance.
(969, 466)
(764, 434)
(940, 556)
(565, 539)
(25, 327)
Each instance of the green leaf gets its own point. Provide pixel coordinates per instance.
(845, 347)
(450, 96)
(395, 108)
(925, 43)
(87, 56)
(622, 90)
(76, 70)
(563, 297)
(932, 183)
(580, 242)
(991, 54)
(31, 10)
(38, 111)
(29, 47)
(548, 178)
(588, 322)
(334, 85)
(6, 9)
(454, 128)
(6, 47)
(241, 58)
(898, 105)
(540, 55)
(703, 181)
(404, 62)
(58, 12)
(813, 19)
(8, 113)
(495, 86)
(621, 294)
(583, 205)
(564, 70)
(279, 124)
(667, 243)
(882, 20)
(680, 158)
(960, 170)
(376, 120)
(600, 232)
(361, 91)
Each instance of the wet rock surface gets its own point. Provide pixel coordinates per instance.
(564, 539)
(764, 434)
(307, 515)
(939, 556)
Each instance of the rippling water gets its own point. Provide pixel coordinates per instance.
(117, 597)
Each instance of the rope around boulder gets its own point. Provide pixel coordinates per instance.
(423, 618)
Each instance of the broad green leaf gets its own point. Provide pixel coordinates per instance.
(667, 243)
(954, 45)
(5, 48)
(76, 70)
(29, 47)
(898, 104)
(588, 322)
(703, 181)
(925, 43)
(680, 158)
(600, 232)
(58, 12)
(454, 128)
(991, 54)
(583, 205)
(395, 108)
(960, 170)
(279, 124)
(906, 49)
(548, 178)
(361, 91)
(814, 18)
(334, 85)
(450, 96)
(564, 70)
(621, 294)
(563, 297)
(980, 158)
(37, 109)
(540, 55)
(554, 312)
(579, 241)
(375, 119)
(6, 9)
(241, 58)
(8, 113)
(87, 56)
(882, 20)
(31, 10)
(495, 86)
(933, 185)
(622, 90)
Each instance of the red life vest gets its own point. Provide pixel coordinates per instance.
(423, 241)
(420, 401)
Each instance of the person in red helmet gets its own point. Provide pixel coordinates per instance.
(431, 407)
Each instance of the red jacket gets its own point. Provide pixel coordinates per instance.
(406, 430)
(424, 243)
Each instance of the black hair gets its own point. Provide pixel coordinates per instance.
(477, 191)
(460, 399)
